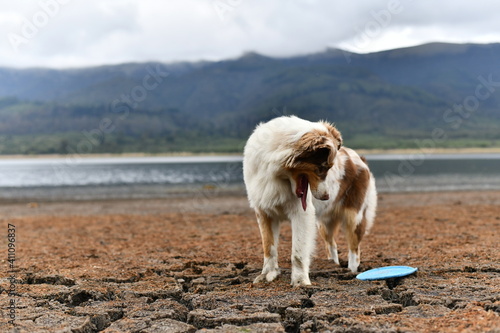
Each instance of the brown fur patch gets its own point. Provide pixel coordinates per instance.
(350, 229)
(266, 231)
(353, 185)
(328, 232)
(334, 132)
(314, 147)
(315, 154)
(361, 229)
(312, 139)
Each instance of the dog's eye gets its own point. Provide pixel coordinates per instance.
(326, 166)
(322, 171)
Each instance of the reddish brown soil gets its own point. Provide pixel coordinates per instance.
(183, 265)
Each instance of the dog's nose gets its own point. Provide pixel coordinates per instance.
(325, 196)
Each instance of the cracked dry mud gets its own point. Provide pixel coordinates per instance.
(186, 265)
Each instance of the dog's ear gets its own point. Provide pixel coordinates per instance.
(334, 132)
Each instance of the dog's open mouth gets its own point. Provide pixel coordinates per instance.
(301, 191)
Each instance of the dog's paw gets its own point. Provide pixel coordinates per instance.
(333, 255)
(301, 281)
(354, 261)
(334, 259)
(267, 277)
(353, 266)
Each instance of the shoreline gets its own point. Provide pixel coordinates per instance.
(113, 155)
(221, 204)
(206, 194)
(189, 154)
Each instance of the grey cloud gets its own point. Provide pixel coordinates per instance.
(111, 31)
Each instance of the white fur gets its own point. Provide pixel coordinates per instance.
(272, 191)
(353, 261)
(270, 269)
(267, 149)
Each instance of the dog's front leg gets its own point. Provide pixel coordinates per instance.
(269, 230)
(303, 241)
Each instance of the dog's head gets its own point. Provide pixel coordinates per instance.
(313, 155)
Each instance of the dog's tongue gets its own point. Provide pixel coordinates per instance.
(301, 191)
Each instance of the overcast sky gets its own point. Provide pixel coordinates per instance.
(75, 33)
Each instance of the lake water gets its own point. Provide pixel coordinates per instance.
(150, 177)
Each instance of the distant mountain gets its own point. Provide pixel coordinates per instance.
(381, 100)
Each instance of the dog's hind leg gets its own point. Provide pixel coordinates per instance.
(354, 232)
(329, 226)
(269, 231)
(329, 230)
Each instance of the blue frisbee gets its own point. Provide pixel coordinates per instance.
(388, 272)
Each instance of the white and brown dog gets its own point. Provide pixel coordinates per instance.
(283, 159)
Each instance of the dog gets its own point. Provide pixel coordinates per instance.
(286, 158)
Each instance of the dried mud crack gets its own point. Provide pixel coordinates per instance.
(181, 271)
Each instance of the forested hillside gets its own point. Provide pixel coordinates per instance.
(390, 99)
